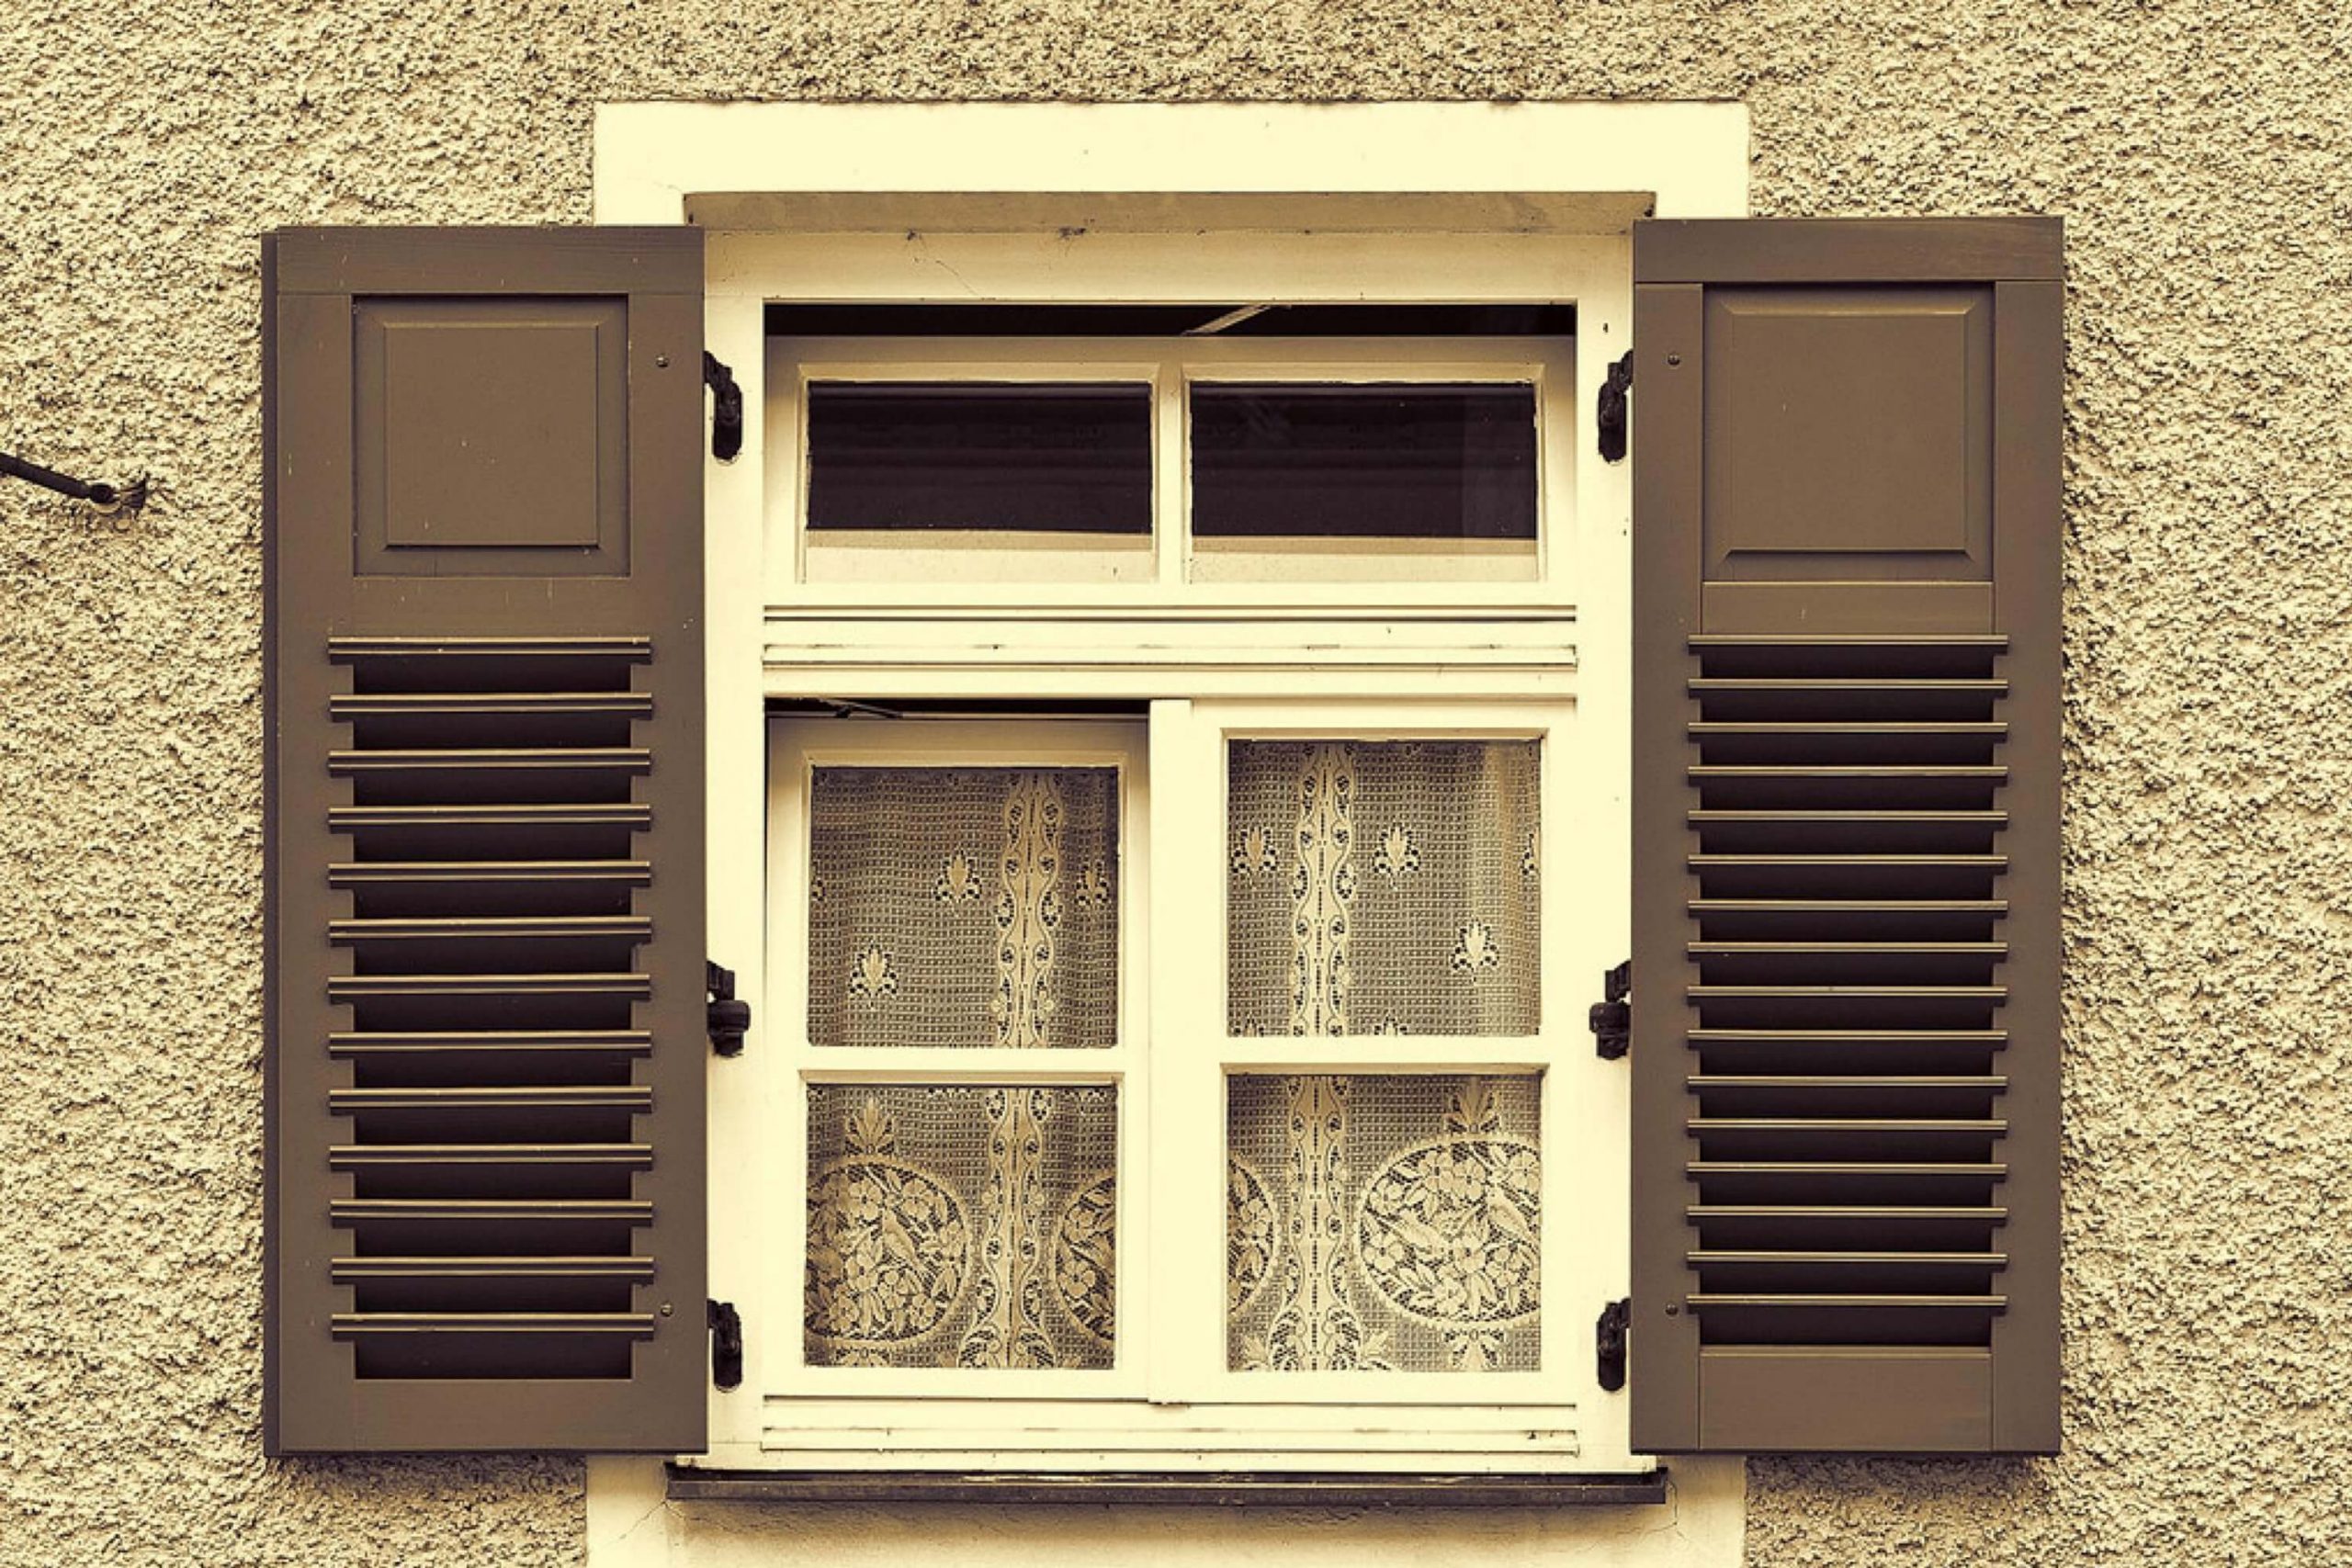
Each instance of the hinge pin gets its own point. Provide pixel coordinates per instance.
(1609, 1342)
(1613, 1020)
(728, 1020)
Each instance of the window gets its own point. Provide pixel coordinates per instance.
(502, 675)
(1172, 1043)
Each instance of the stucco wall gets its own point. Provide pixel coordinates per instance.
(2197, 152)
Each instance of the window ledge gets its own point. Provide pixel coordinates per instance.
(1344, 1490)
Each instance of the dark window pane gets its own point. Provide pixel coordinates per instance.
(1033, 458)
(1395, 461)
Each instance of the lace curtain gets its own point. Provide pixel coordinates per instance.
(960, 1225)
(964, 907)
(1383, 887)
(1382, 1222)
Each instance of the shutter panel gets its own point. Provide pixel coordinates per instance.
(484, 928)
(1847, 512)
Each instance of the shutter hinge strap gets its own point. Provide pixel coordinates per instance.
(728, 1019)
(1609, 1343)
(1612, 412)
(726, 1345)
(1613, 1020)
(727, 411)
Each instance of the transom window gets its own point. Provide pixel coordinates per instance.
(1175, 468)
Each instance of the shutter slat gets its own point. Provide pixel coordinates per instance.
(492, 760)
(486, 857)
(349, 1210)
(602, 1096)
(347, 1270)
(356, 988)
(497, 705)
(1845, 743)
(630, 1042)
(638, 1326)
(461, 813)
(355, 1156)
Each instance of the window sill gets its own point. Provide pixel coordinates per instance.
(1333, 1490)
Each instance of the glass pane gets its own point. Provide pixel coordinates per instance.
(1424, 473)
(964, 907)
(1383, 1223)
(1387, 887)
(977, 455)
(960, 1225)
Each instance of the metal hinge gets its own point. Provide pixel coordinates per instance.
(1609, 1343)
(1613, 1020)
(727, 409)
(728, 1019)
(726, 1345)
(1612, 412)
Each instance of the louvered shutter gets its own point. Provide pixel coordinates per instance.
(484, 928)
(1847, 512)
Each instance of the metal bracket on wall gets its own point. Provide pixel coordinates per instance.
(727, 412)
(1613, 1020)
(97, 492)
(726, 1345)
(1610, 415)
(728, 1019)
(1609, 1343)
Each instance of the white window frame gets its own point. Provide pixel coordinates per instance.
(1143, 203)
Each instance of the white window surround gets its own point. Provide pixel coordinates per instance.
(1503, 202)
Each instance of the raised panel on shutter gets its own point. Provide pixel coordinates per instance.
(1846, 516)
(484, 929)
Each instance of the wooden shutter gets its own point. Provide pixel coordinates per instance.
(1846, 835)
(485, 840)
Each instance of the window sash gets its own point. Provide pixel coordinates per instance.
(774, 1360)
(1582, 1238)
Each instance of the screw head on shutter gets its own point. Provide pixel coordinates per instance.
(729, 1020)
(1613, 1019)
(1609, 1343)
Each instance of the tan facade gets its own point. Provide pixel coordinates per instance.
(2197, 155)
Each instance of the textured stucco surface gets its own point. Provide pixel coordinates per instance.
(2199, 153)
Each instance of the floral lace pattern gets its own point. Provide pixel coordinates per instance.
(950, 914)
(1084, 1256)
(889, 1247)
(1403, 1233)
(968, 1225)
(1440, 935)
(1250, 1245)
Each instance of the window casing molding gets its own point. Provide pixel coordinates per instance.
(1506, 241)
